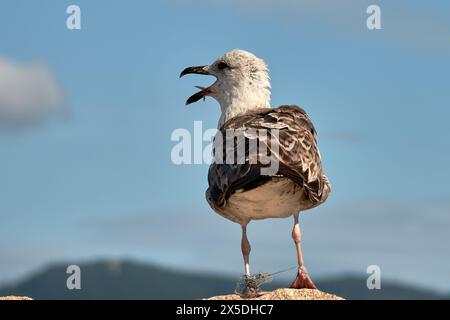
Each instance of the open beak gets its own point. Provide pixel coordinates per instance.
(203, 91)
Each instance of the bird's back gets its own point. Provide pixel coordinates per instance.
(298, 183)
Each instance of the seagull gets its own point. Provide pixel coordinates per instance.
(240, 191)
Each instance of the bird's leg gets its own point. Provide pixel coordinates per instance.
(302, 279)
(245, 247)
(251, 290)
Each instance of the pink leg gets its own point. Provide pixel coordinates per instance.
(245, 247)
(302, 279)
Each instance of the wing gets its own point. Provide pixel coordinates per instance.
(297, 155)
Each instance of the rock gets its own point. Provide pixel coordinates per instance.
(286, 294)
(15, 298)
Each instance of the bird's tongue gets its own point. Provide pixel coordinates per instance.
(199, 95)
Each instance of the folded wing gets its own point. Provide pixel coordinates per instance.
(295, 150)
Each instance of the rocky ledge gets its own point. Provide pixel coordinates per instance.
(286, 294)
(15, 298)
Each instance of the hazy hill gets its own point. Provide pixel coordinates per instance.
(132, 280)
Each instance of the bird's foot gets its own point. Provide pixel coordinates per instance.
(302, 280)
(249, 286)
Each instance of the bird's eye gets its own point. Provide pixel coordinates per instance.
(222, 65)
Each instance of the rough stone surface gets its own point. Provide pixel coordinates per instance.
(15, 298)
(286, 294)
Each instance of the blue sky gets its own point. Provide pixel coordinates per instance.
(95, 179)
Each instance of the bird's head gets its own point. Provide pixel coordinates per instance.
(242, 83)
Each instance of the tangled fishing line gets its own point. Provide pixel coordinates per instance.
(250, 285)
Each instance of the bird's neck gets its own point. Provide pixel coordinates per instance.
(238, 102)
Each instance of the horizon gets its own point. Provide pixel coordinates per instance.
(115, 267)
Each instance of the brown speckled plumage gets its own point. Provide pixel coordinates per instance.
(299, 158)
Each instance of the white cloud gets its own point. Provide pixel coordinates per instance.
(28, 93)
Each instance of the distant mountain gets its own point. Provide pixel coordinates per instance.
(132, 280)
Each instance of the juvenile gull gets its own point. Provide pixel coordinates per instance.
(239, 191)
